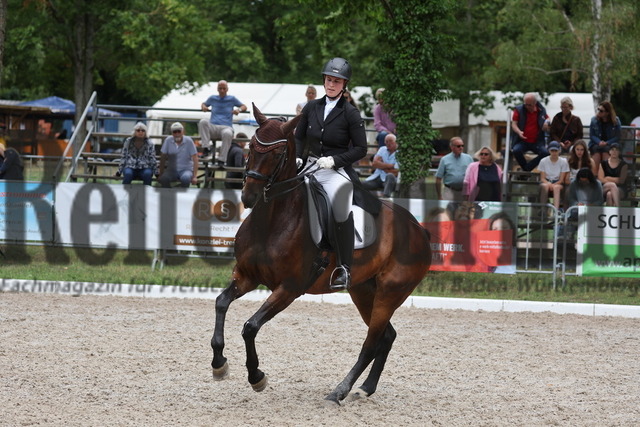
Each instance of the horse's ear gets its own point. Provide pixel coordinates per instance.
(290, 125)
(260, 118)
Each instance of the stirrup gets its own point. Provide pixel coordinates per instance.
(337, 284)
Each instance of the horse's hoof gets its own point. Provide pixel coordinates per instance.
(330, 403)
(221, 373)
(356, 395)
(260, 385)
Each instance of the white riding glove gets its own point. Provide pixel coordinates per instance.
(325, 162)
(298, 163)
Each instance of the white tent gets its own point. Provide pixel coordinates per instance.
(445, 113)
(273, 99)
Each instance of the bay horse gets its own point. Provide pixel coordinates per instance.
(273, 247)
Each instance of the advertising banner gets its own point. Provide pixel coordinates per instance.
(608, 241)
(142, 217)
(471, 237)
(26, 211)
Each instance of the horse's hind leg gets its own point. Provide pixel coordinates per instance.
(219, 362)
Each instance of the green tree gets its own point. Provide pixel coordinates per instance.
(476, 33)
(562, 45)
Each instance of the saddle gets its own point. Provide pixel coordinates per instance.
(321, 222)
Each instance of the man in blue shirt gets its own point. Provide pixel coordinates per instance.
(386, 168)
(220, 125)
(451, 171)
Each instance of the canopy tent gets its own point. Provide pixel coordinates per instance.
(61, 106)
(446, 113)
(273, 99)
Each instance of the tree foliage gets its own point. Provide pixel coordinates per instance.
(564, 45)
(413, 65)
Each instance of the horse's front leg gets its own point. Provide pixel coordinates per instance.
(219, 362)
(277, 301)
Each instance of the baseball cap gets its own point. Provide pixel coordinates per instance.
(177, 126)
(554, 145)
(614, 145)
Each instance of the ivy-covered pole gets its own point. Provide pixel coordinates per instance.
(413, 65)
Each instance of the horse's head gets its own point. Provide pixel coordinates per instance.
(271, 156)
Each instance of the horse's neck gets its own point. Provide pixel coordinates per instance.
(290, 206)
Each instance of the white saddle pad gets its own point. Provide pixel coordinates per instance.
(363, 223)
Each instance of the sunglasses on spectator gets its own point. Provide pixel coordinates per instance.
(485, 154)
(459, 145)
(139, 130)
(176, 131)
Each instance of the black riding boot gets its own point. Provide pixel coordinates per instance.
(344, 253)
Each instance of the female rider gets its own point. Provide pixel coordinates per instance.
(331, 133)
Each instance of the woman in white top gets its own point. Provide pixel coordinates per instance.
(553, 173)
(311, 94)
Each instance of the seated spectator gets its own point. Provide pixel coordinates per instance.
(236, 159)
(579, 158)
(138, 157)
(529, 123)
(604, 130)
(178, 159)
(553, 173)
(347, 95)
(483, 179)
(385, 167)
(11, 167)
(451, 170)
(565, 127)
(311, 94)
(613, 175)
(382, 119)
(585, 190)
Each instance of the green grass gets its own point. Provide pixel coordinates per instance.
(134, 267)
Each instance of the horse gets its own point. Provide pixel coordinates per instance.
(273, 247)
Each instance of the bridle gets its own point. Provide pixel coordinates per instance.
(265, 147)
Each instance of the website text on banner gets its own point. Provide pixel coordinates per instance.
(608, 241)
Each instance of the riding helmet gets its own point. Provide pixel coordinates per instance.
(337, 67)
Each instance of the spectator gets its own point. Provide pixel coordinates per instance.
(349, 98)
(235, 158)
(178, 159)
(585, 190)
(385, 168)
(604, 130)
(382, 119)
(483, 179)
(565, 127)
(451, 170)
(553, 173)
(579, 158)
(311, 93)
(138, 159)
(529, 123)
(11, 167)
(220, 125)
(613, 176)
